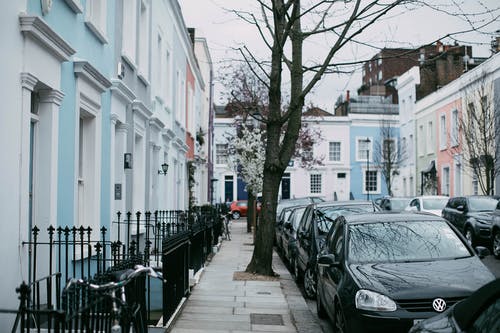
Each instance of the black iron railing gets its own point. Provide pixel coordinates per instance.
(173, 241)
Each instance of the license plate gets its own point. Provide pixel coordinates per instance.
(416, 321)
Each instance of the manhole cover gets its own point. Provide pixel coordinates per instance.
(263, 293)
(266, 319)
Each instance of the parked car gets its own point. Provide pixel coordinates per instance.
(280, 221)
(383, 272)
(239, 208)
(495, 231)
(289, 235)
(296, 202)
(428, 203)
(472, 215)
(480, 312)
(394, 204)
(313, 227)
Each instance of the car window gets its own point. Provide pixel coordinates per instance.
(298, 213)
(332, 235)
(434, 203)
(323, 222)
(488, 321)
(397, 204)
(404, 241)
(335, 211)
(241, 204)
(452, 203)
(482, 204)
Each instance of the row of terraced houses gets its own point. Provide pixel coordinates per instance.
(99, 98)
(413, 100)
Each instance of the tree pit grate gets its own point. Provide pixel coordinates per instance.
(266, 319)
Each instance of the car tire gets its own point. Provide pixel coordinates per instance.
(339, 320)
(310, 283)
(320, 308)
(496, 244)
(236, 215)
(469, 236)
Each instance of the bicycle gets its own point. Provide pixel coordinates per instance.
(125, 317)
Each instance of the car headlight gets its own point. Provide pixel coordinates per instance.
(372, 301)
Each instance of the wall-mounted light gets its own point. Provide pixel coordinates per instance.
(164, 169)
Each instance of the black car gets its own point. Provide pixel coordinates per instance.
(495, 232)
(480, 312)
(289, 235)
(472, 216)
(278, 227)
(314, 225)
(383, 272)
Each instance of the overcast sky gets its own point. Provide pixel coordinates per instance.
(224, 31)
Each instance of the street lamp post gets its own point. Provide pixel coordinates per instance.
(367, 176)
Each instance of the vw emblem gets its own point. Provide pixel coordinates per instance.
(439, 304)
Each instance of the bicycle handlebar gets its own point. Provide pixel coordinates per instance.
(124, 279)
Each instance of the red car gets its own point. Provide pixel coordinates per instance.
(240, 207)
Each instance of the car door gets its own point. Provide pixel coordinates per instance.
(300, 237)
(332, 276)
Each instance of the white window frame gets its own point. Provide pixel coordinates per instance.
(445, 180)
(360, 158)
(143, 47)
(314, 186)
(96, 18)
(378, 178)
(129, 32)
(454, 130)
(442, 132)
(219, 157)
(422, 139)
(430, 137)
(332, 152)
(395, 146)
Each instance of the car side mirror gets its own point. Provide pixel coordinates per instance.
(482, 251)
(461, 208)
(328, 260)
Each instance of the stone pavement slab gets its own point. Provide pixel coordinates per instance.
(219, 304)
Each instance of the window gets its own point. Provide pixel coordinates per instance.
(371, 181)
(221, 154)
(380, 61)
(334, 151)
(430, 137)
(364, 146)
(96, 18)
(445, 182)
(454, 128)
(475, 185)
(308, 153)
(442, 132)
(129, 30)
(380, 75)
(389, 150)
(315, 186)
(144, 40)
(421, 138)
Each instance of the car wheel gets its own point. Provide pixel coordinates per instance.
(339, 320)
(236, 215)
(469, 236)
(310, 283)
(496, 244)
(320, 308)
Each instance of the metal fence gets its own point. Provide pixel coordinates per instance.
(171, 241)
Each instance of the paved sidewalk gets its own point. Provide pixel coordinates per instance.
(220, 304)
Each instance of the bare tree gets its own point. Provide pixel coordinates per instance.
(285, 26)
(477, 132)
(388, 154)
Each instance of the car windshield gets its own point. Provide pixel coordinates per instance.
(336, 211)
(382, 242)
(482, 204)
(434, 203)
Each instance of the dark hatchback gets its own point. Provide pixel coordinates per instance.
(479, 313)
(384, 272)
(289, 235)
(312, 230)
(472, 215)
